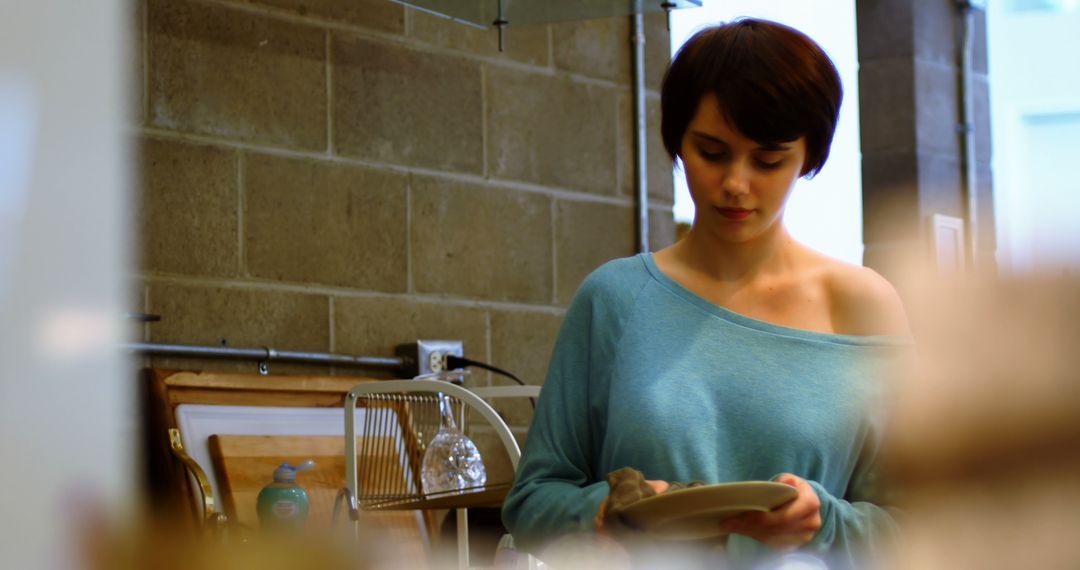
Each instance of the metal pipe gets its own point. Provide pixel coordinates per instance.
(501, 23)
(967, 109)
(641, 169)
(265, 354)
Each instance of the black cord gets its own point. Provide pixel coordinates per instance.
(453, 362)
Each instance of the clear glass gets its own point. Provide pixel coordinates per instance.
(452, 462)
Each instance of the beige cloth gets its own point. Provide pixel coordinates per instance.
(627, 486)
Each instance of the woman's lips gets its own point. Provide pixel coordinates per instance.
(735, 213)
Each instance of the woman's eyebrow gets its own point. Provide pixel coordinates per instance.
(774, 147)
(708, 137)
(771, 147)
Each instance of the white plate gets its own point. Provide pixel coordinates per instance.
(697, 512)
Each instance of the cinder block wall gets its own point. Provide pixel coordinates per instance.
(344, 176)
(912, 146)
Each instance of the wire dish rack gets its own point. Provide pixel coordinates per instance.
(397, 421)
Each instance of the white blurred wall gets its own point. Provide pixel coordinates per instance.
(66, 410)
(1034, 47)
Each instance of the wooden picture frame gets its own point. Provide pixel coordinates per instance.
(948, 244)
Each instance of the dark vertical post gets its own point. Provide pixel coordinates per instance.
(912, 128)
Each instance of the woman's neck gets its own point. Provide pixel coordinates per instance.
(769, 253)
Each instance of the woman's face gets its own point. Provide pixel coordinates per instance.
(739, 186)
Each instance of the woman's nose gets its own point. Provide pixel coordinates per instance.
(735, 179)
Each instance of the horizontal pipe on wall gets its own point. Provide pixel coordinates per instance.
(265, 355)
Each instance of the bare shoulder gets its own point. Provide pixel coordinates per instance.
(862, 302)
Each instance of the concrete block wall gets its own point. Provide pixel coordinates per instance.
(909, 99)
(345, 176)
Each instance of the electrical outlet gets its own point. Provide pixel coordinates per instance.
(429, 356)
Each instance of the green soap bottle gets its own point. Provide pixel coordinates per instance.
(282, 504)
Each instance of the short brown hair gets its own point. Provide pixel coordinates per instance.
(774, 85)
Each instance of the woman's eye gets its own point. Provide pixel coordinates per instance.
(711, 156)
(768, 165)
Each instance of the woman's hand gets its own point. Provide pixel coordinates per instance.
(598, 520)
(788, 526)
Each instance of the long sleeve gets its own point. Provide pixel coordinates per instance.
(557, 489)
(859, 514)
(852, 532)
(857, 527)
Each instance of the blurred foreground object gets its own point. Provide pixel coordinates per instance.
(65, 398)
(985, 439)
(165, 545)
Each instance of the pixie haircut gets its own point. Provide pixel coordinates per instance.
(773, 83)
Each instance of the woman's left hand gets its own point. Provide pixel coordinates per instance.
(788, 526)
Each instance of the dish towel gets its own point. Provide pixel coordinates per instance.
(628, 486)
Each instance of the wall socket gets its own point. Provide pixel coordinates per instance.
(428, 356)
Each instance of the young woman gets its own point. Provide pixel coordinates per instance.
(737, 353)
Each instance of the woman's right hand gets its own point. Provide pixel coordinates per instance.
(598, 520)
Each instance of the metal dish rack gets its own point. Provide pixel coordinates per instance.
(399, 418)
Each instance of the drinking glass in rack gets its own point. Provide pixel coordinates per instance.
(452, 461)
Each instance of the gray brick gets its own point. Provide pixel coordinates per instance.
(237, 75)
(137, 82)
(657, 50)
(550, 130)
(237, 317)
(936, 32)
(625, 150)
(586, 236)
(524, 44)
(480, 241)
(187, 216)
(936, 109)
(886, 29)
(598, 48)
(940, 185)
(375, 14)
(901, 190)
(521, 343)
(320, 222)
(887, 105)
(890, 196)
(660, 182)
(661, 228)
(374, 326)
(210, 315)
(980, 58)
(406, 107)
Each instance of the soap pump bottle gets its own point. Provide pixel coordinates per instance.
(282, 504)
